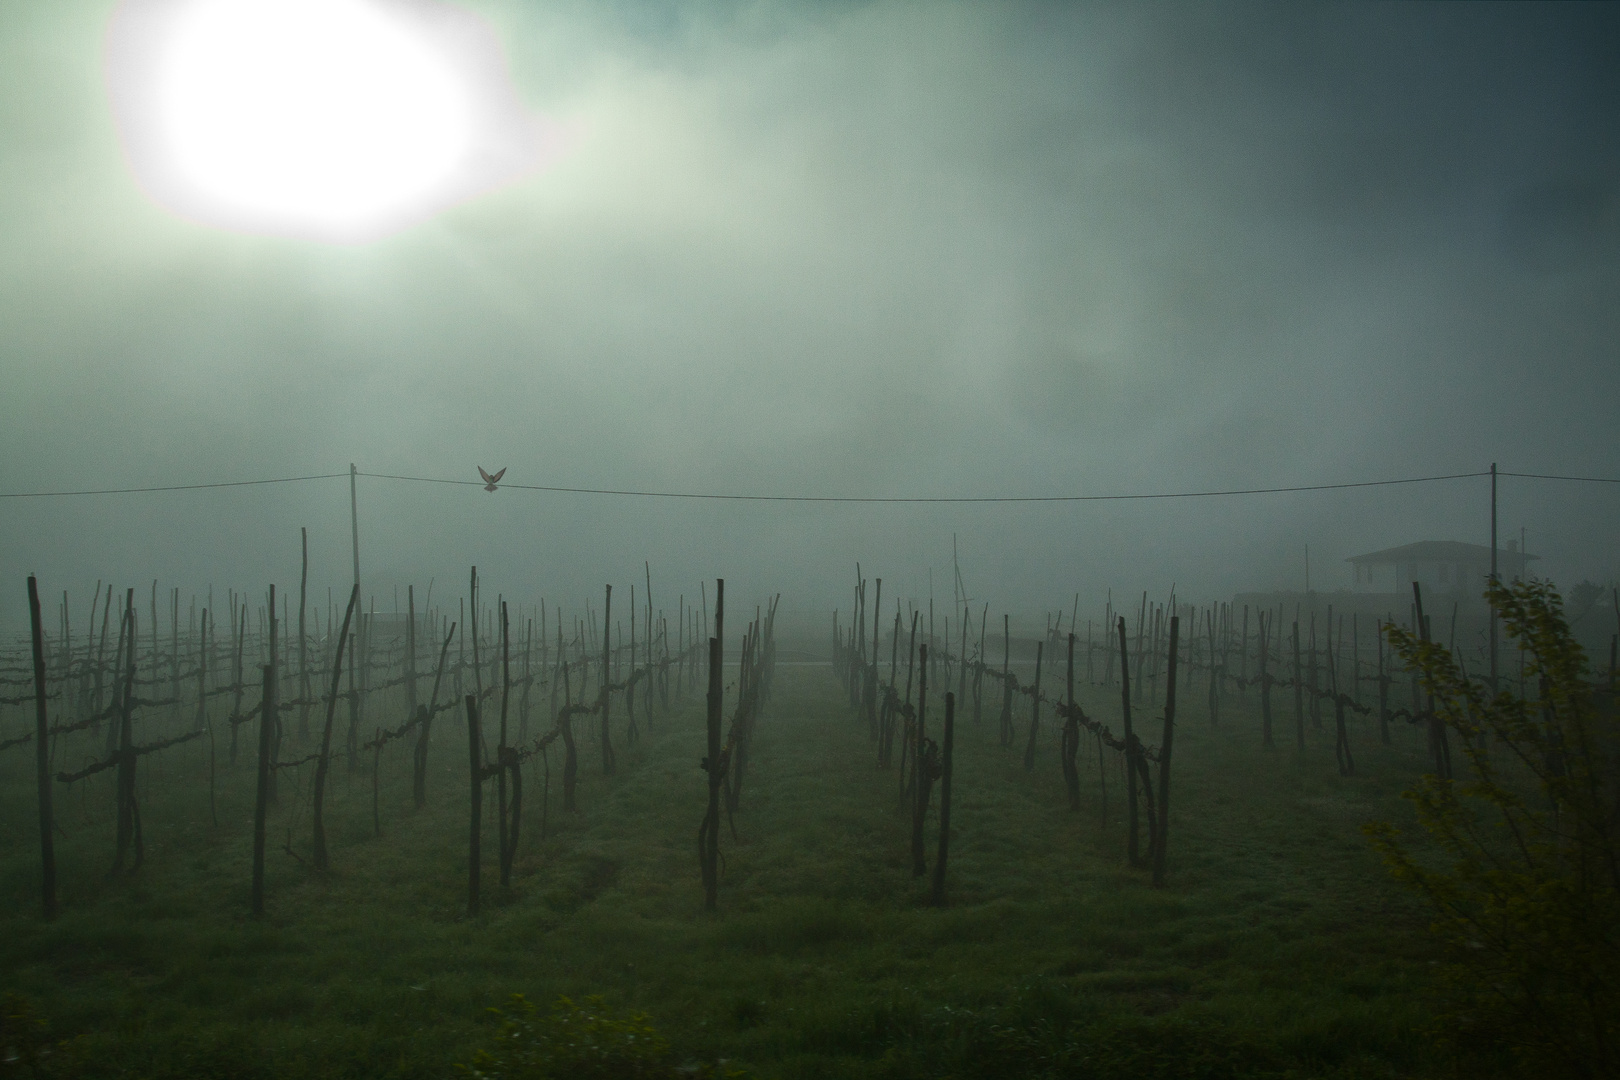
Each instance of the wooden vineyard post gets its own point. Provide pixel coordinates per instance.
(919, 806)
(128, 823)
(101, 649)
(500, 749)
(201, 719)
(261, 804)
(1108, 649)
(1141, 654)
(1243, 656)
(323, 762)
(1160, 842)
(937, 897)
(1341, 743)
(507, 786)
(631, 732)
(1299, 692)
(303, 643)
(425, 725)
(961, 671)
(1315, 682)
(608, 758)
(887, 713)
(1090, 657)
(905, 736)
(275, 716)
(978, 672)
(1214, 666)
(202, 713)
(174, 647)
(1355, 658)
(1071, 735)
(1034, 711)
(410, 650)
(356, 658)
(1265, 684)
(565, 723)
(1383, 691)
(239, 682)
(475, 778)
(647, 566)
(513, 765)
(42, 755)
(709, 831)
(1130, 769)
(870, 696)
(1006, 681)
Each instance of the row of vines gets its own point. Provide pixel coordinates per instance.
(277, 700)
(1231, 651)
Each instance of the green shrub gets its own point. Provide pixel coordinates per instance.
(1523, 872)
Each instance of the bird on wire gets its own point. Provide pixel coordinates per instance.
(491, 481)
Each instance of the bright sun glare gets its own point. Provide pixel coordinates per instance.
(339, 119)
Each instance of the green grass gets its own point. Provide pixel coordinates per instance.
(1279, 947)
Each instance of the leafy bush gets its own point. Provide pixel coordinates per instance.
(1524, 874)
(586, 1041)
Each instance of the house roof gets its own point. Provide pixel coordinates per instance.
(1439, 551)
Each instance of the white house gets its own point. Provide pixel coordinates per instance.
(1440, 566)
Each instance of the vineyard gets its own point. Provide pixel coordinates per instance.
(263, 851)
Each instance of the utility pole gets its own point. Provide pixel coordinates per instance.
(354, 520)
(1493, 575)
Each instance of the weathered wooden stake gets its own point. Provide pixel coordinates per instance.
(323, 763)
(919, 862)
(938, 895)
(1383, 690)
(475, 777)
(128, 826)
(1161, 842)
(1071, 734)
(1034, 711)
(1299, 691)
(709, 831)
(261, 804)
(1341, 744)
(425, 725)
(1130, 770)
(42, 756)
(500, 751)
(1265, 681)
(609, 760)
(303, 642)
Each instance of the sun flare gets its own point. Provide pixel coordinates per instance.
(338, 119)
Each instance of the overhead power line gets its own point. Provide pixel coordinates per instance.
(166, 487)
(932, 498)
(1544, 476)
(721, 496)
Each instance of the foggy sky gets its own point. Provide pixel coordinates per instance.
(866, 249)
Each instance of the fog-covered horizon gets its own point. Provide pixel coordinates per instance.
(856, 249)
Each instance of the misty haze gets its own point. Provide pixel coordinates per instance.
(787, 540)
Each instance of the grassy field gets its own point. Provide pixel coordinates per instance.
(1279, 947)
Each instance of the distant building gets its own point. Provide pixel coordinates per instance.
(1440, 566)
